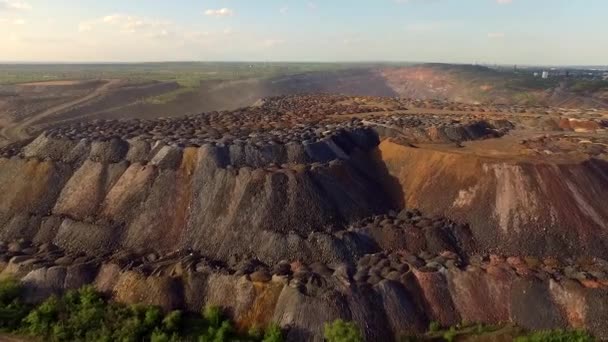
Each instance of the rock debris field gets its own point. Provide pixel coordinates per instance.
(304, 209)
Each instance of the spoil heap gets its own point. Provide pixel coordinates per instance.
(292, 211)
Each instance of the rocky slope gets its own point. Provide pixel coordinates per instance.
(388, 294)
(292, 211)
(533, 208)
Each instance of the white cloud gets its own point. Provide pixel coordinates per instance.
(496, 35)
(85, 27)
(16, 5)
(221, 12)
(504, 2)
(14, 21)
(272, 42)
(284, 10)
(128, 24)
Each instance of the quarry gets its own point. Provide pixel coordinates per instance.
(389, 212)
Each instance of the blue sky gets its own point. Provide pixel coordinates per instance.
(462, 31)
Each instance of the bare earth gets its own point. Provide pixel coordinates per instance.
(19, 131)
(53, 83)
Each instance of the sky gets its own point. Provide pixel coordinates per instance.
(560, 32)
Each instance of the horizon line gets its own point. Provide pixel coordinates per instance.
(30, 62)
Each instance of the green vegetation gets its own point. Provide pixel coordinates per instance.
(12, 310)
(187, 74)
(434, 326)
(464, 332)
(556, 336)
(341, 331)
(84, 315)
(169, 96)
(588, 86)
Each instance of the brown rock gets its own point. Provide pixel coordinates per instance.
(515, 261)
(64, 261)
(261, 276)
(15, 247)
(496, 259)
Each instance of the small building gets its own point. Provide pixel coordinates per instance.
(545, 74)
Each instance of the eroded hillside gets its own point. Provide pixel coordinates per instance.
(388, 212)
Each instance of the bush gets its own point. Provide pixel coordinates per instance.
(341, 331)
(213, 316)
(40, 321)
(557, 336)
(273, 333)
(172, 321)
(10, 291)
(217, 334)
(255, 333)
(12, 310)
(84, 315)
(152, 317)
(450, 335)
(161, 336)
(434, 326)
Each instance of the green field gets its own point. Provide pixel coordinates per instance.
(187, 74)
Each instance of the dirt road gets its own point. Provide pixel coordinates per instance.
(18, 130)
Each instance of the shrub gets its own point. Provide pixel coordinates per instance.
(213, 316)
(40, 321)
(255, 333)
(152, 317)
(217, 334)
(273, 333)
(10, 291)
(341, 331)
(161, 336)
(450, 335)
(557, 336)
(172, 321)
(434, 326)
(12, 310)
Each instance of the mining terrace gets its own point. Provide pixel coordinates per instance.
(389, 212)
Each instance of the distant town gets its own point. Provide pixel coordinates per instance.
(595, 73)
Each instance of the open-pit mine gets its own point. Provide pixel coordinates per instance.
(388, 212)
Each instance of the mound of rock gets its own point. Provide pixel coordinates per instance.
(387, 294)
(515, 207)
(293, 211)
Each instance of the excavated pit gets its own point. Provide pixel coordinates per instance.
(293, 211)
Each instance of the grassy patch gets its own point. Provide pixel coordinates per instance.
(187, 74)
(556, 336)
(507, 332)
(588, 86)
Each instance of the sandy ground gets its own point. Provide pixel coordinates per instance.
(12, 338)
(53, 83)
(18, 131)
